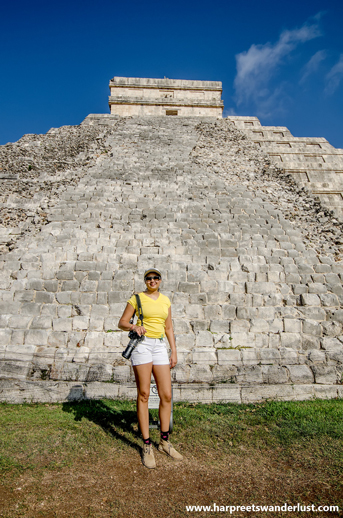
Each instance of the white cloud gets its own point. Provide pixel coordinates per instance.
(229, 111)
(334, 77)
(256, 66)
(313, 64)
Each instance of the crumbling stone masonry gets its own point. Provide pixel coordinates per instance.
(312, 161)
(256, 287)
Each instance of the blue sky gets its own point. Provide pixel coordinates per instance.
(279, 61)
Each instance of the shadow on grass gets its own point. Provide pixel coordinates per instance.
(117, 422)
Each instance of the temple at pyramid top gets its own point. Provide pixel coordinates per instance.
(159, 97)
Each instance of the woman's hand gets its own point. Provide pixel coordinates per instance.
(173, 359)
(124, 323)
(140, 330)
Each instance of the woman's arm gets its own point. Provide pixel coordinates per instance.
(124, 322)
(171, 339)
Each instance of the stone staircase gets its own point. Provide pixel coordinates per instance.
(311, 160)
(257, 313)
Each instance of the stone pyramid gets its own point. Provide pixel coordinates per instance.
(256, 288)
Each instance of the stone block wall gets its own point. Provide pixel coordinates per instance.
(157, 97)
(256, 300)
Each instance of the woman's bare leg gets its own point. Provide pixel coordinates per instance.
(143, 377)
(163, 381)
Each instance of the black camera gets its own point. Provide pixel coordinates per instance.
(134, 340)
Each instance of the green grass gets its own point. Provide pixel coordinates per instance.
(281, 422)
(57, 455)
(49, 436)
(38, 435)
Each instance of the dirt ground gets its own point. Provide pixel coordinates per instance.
(120, 486)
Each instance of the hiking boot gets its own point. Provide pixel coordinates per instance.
(148, 458)
(166, 447)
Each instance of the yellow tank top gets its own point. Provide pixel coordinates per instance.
(155, 313)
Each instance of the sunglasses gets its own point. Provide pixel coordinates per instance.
(155, 278)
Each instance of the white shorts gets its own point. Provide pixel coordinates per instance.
(150, 350)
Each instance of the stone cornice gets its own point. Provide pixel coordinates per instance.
(165, 102)
(174, 84)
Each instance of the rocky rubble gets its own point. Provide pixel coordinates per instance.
(236, 159)
(34, 170)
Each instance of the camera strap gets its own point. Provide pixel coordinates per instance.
(140, 309)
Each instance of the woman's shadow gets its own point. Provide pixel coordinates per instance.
(119, 423)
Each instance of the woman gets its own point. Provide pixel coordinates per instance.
(150, 356)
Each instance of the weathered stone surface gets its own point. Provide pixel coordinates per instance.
(5, 336)
(325, 374)
(262, 288)
(121, 374)
(337, 316)
(331, 328)
(251, 303)
(250, 356)
(204, 355)
(224, 373)
(311, 327)
(22, 353)
(15, 370)
(102, 372)
(336, 356)
(200, 373)
(251, 374)
(36, 337)
(316, 356)
(300, 374)
(229, 357)
(309, 299)
(291, 340)
(291, 325)
(204, 339)
(181, 373)
(310, 342)
(269, 356)
(327, 391)
(331, 344)
(278, 393)
(273, 374)
(145, 96)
